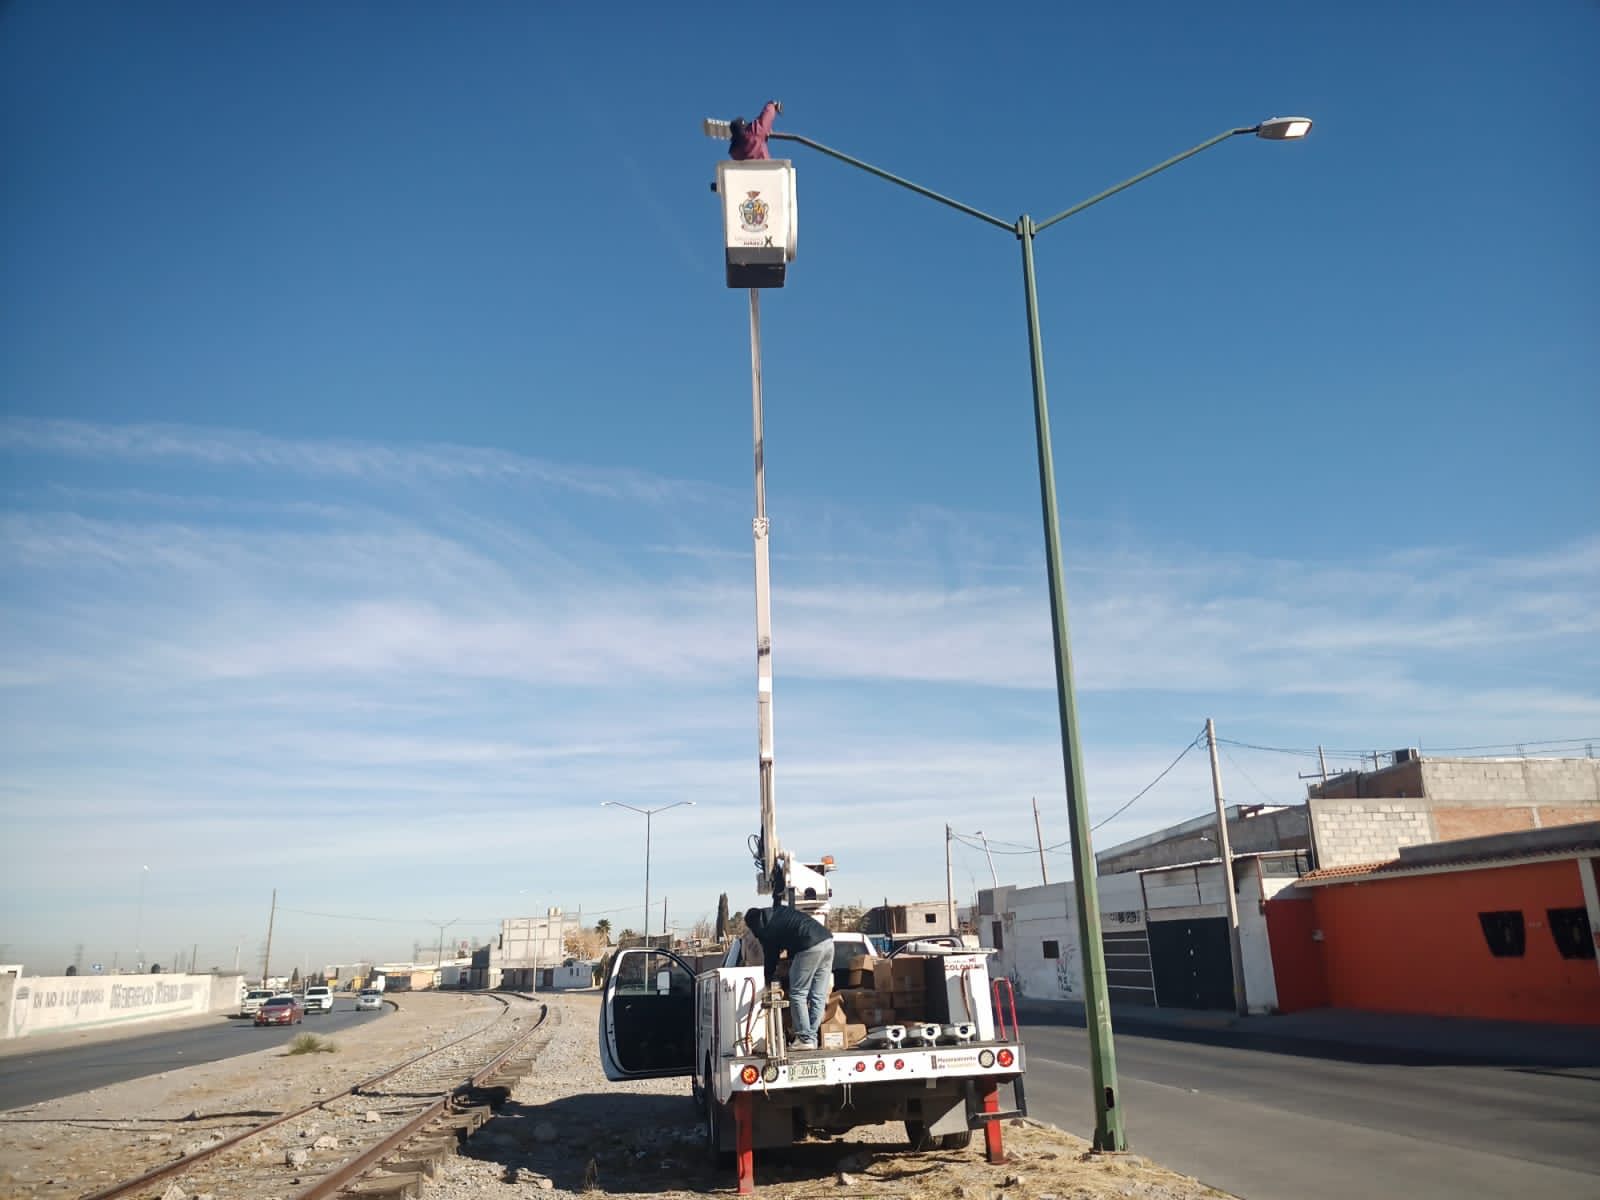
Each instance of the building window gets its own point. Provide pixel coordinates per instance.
(1504, 932)
(999, 938)
(1570, 928)
(930, 918)
(1052, 949)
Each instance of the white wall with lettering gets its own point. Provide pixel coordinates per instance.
(48, 1003)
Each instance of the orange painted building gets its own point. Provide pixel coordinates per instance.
(1502, 928)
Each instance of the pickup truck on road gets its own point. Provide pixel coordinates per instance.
(319, 999)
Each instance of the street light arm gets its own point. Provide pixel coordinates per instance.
(643, 812)
(1008, 226)
(1140, 177)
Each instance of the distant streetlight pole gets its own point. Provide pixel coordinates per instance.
(647, 813)
(1109, 1131)
(993, 878)
(144, 873)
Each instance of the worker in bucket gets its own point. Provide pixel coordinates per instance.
(810, 948)
(749, 140)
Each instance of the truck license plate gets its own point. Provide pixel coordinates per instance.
(801, 1072)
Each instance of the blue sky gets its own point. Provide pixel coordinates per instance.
(375, 441)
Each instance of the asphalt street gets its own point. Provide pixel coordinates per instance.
(30, 1078)
(1269, 1123)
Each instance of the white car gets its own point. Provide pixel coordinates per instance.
(251, 1004)
(369, 1000)
(319, 999)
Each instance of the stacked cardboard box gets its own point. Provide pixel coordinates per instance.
(839, 1031)
(870, 992)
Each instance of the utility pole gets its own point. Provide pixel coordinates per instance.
(664, 932)
(949, 887)
(266, 961)
(993, 878)
(1235, 953)
(194, 956)
(1322, 760)
(1038, 834)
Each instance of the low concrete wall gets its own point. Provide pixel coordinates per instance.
(52, 1003)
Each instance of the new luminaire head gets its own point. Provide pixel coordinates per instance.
(720, 130)
(1284, 129)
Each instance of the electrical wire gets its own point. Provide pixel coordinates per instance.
(1056, 848)
(1138, 795)
(1235, 764)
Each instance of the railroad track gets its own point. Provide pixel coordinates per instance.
(404, 1119)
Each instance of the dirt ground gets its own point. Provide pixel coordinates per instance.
(64, 1147)
(566, 1132)
(644, 1141)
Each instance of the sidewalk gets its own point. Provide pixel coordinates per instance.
(1350, 1033)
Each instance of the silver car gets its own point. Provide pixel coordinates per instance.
(369, 999)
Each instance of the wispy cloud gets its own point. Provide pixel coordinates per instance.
(233, 448)
(427, 672)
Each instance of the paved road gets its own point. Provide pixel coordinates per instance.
(1268, 1124)
(29, 1078)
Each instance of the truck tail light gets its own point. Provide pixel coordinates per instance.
(861, 1066)
(879, 1065)
(899, 1064)
(769, 1074)
(749, 1075)
(1006, 1058)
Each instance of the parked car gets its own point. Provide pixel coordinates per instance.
(319, 999)
(280, 1010)
(368, 1000)
(252, 1001)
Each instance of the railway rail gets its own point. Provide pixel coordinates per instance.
(407, 1118)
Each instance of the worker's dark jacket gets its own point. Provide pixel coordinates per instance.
(750, 142)
(785, 928)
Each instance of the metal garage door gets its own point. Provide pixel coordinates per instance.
(1191, 963)
(1129, 977)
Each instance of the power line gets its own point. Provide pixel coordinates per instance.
(1138, 795)
(1298, 753)
(1573, 743)
(1235, 764)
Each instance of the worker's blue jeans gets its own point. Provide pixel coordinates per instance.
(810, 981)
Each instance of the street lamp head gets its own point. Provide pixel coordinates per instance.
(1284, 129)
(720, 130)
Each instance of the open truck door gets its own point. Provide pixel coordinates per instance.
(647, 1025)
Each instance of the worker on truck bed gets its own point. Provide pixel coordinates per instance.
(810, 948)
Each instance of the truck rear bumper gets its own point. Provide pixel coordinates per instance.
(928, 1067)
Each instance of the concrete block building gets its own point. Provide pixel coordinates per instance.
(1378, 893)
(524, 947)
(1369, 816)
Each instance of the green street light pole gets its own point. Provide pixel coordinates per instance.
(1109, 1134)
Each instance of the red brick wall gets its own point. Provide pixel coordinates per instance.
(1415, 945)
(1453, 823)
(1556, 814)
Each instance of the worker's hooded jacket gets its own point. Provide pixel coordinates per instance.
(783, 928)
(749, 140)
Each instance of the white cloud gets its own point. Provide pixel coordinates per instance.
(328, 690)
